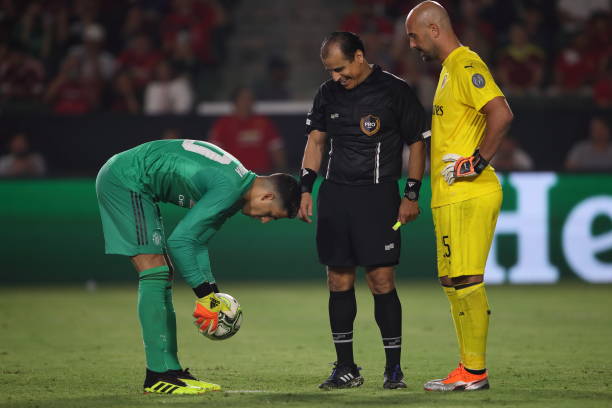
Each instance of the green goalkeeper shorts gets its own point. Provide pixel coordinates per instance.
(131, 221)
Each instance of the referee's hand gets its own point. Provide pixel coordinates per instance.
(408, 211)
(305, 211)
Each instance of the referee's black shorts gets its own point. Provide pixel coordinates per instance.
(354, 225)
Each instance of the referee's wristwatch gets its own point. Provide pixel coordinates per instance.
(411, 192)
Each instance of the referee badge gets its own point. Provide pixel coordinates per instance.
(370, 124)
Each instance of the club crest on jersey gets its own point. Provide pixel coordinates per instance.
(370, 124)
(478, 81)
(157, 238)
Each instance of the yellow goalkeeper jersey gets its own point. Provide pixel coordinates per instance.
(464, 87)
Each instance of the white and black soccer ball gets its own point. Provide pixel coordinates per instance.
(229, 321)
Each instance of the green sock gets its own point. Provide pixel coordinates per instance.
(153, 313)
(171, 354)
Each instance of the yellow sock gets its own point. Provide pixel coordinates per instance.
(473, 318)
(451, 294)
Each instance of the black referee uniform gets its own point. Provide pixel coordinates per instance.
(359, 200)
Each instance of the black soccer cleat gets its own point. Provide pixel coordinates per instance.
(168, 383)
(394, 378)
(343, 376)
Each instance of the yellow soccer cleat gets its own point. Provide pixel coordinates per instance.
(189, 379)
(168, 383)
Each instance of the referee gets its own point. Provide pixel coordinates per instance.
(470, 117)
(366, 115)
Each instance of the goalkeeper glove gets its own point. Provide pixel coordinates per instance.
(460, 167)
(206, 312)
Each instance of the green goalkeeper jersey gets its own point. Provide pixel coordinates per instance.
(192, 174)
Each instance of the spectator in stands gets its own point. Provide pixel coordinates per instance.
(474, 39)
(594, 154)
(602, 90)
(139, 60)
(575, 66)
(574, 14)
(21, 161)
(183, 59)
(366, 18)
(510, 157)
(195, 21)
(83, 14)
(273, 87)
(541, 24)
(138, 21)
(521, 63)
(168, 93)
(480, 33)
(35, 30)
(124, 97)
(71, 94)
(95, 64)
(21, 79)
(253, 138)
(599, 32)
(374, 28)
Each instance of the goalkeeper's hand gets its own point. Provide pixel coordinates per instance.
(462, 167)
(206, 312)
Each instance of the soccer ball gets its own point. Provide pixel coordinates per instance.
(229, 321)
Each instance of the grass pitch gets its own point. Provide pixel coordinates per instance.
(549, 346)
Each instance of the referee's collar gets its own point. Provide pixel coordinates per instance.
(454, 53)
(376, 70)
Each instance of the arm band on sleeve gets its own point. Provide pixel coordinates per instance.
(307, 179)
(479, 162)
(204, 289)
(411, 191)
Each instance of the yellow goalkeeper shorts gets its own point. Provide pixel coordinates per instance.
(464, 232)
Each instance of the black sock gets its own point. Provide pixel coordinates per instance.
(476, 372)
(388, 313)
(342, 312)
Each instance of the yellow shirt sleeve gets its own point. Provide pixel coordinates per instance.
(476, 84)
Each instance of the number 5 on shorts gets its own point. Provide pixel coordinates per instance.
(447, 245)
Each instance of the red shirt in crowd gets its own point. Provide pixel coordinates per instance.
(249, 139)
(141, 66)
(574, 68)
(196, 26)
(74, 97)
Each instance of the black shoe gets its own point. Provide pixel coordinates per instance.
(343, 376)
(394, 378)
(168, 383)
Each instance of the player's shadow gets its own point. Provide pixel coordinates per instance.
(422, 398)
(323, 399)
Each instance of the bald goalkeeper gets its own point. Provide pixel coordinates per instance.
(470, 117)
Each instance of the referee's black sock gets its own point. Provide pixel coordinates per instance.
(342, 312)
(388, 313)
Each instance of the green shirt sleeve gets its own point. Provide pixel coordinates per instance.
(187, 244)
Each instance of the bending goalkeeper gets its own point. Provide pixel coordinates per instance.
(213, 185)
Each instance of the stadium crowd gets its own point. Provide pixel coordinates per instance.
(534, 47)
(81, 56)
(72, 57)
